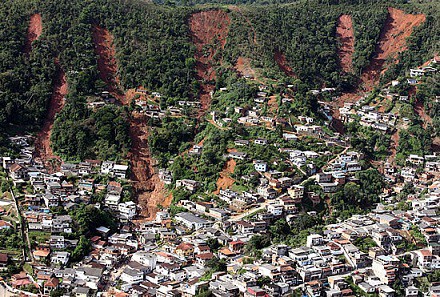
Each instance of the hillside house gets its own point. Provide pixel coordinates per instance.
(192, 221)
(189, 184)
(260, 166)
(17, 172)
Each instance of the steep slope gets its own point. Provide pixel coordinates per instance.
(397, 28)
(243, 67)
(107, 65)
(209, 30)
(34, 32)
(345, 34)
(148, 188)
(419, 108)
(225, 180)
(43, 149)
(280, 59)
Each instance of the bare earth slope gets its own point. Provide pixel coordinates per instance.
(42, 143)
(34, 31)
(397, 28)
(345, 35)
(282, 63)
(209, 30)
(107, 64)
(43, 150)
(148, 188)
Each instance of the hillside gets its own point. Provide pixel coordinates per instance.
(182, 57)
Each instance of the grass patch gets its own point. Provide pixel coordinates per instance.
(39, 236)
(28, 268)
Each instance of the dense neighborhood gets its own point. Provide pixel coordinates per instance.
(76, 230)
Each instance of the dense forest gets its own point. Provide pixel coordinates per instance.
(157, 53)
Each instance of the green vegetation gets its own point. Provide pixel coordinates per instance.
(417, 235)
(10, 240)
(364, 244)
(256, 243)
(102, 134)
(358, 197)
(296, 233)
(157, 54)
(87, 218)
(414, 140)
(373, 144)
(39, 237)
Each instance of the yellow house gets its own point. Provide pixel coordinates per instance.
(185, 250)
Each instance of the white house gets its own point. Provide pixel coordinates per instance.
(275, 209)
(192, 221)
(120, 171)
(260, 166)
(127, 210)
(60, 258)
(132, 276)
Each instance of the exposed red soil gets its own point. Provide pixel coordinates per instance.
(56, 104)
(345, 35)
(209, 30)
(336, 104)
(382, 107)
(344, 98)
(419, 108)
(338, 125)
(225, 180)
(107, 64)
(34, 31)
(148, 188)
(398, 26)
(282, 63)
(273, 104)
(243, 66)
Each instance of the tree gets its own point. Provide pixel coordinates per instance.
(216, 265)
(213, 244)
(351, 191)
(81, 250)
(279, 230)
(256, 243)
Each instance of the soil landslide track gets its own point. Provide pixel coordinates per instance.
(56, 104)
(345, 35)
(392, 40)
(148, 188)
(209, 30)
(419, 108)
(282, 63)
(34, 31)
(107, 64)
(398, 26)
(225, 180)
